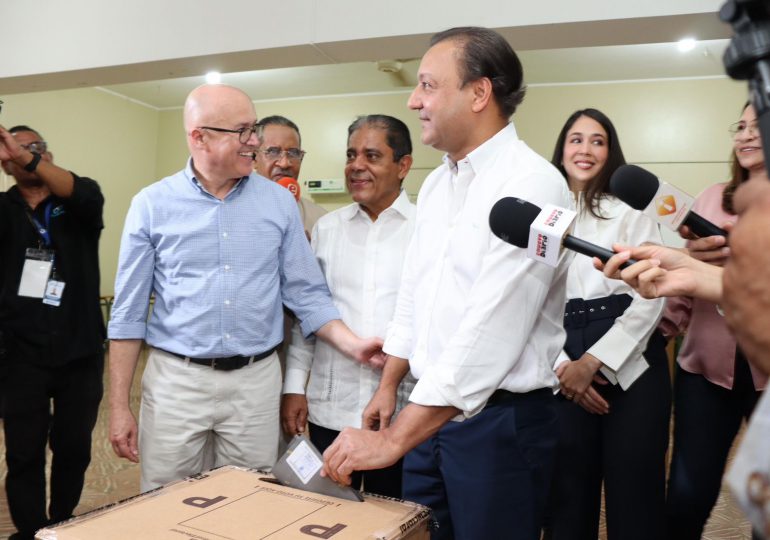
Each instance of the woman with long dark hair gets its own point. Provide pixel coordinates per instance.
(615, 396)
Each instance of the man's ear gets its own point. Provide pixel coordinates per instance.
(482, 93)
(196, 137)
(404, 164)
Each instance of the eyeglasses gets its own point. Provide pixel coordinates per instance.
(741, 126)
(244, 134)
(41, 147)
(1, 105)
(292, 154)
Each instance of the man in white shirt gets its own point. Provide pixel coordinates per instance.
(361, 249)
(479, 322)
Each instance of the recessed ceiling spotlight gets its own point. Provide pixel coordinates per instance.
(686, 44)
(213, 77)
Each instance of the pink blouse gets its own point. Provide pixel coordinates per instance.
(708, 348)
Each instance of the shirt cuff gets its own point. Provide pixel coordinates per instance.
(314, 322)
(563, 357)
(398, 342)
(608, 347)
(632, 370)
(611, 375)
(295, 381)
(126, 330)
(431, 393)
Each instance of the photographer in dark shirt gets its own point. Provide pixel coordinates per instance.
(50, 223)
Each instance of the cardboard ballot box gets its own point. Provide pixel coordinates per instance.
(235, 503)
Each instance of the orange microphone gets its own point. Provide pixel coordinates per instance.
(291, 184)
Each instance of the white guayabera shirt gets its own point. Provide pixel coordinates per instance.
(362, 262)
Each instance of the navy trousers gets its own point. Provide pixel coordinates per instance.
(624, 449)
(385, 481)
(488, 477)
(707, 418)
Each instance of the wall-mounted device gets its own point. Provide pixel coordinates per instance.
(331, 185)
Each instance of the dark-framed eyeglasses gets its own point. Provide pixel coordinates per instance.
(244, 134)
(292, 154)
(41, 147)
(1, 105)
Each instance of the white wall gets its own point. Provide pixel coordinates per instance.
(93, 42)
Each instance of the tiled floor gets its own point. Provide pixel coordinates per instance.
(111, 479)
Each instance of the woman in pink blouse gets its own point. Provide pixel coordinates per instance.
(715, 388)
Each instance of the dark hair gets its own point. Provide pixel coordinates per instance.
(396, 132)
(485, 53)
(599, 186)
(738, 175)
(16, 129)
(277, 120)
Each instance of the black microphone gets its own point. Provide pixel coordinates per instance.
(640, 189)
(510, 220)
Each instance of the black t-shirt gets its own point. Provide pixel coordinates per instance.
(39, 333)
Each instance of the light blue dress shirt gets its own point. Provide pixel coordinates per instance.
(220, 270)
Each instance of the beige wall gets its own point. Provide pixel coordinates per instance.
(676, 128)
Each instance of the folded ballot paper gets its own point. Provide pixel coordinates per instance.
(300, 467)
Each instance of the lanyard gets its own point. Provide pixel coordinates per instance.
(43, 231)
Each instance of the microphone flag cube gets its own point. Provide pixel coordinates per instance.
(546, 233)
(670, 206)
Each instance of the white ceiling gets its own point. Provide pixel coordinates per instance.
(551, 66)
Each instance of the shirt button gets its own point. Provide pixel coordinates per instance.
(227, 302)
(224, 235)
(227, 336)
(227, 267)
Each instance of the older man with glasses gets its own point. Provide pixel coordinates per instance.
(280, 156)
(50, 224)
(221, 249)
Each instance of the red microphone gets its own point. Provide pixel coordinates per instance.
(291, 184)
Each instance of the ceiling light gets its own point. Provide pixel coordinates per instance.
(213, 77)
(686, 44)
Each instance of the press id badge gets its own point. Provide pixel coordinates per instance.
(35, 274)
(53, 292)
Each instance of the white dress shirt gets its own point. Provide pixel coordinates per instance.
(620, 349)
(362, 261)
(474, 314)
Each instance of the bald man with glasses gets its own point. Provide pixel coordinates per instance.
(221, 249)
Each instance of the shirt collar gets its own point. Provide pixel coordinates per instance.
(486, 151)
(189, 173)
(400, 205)
(15, 196)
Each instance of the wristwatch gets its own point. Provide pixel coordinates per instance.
(32, 165)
